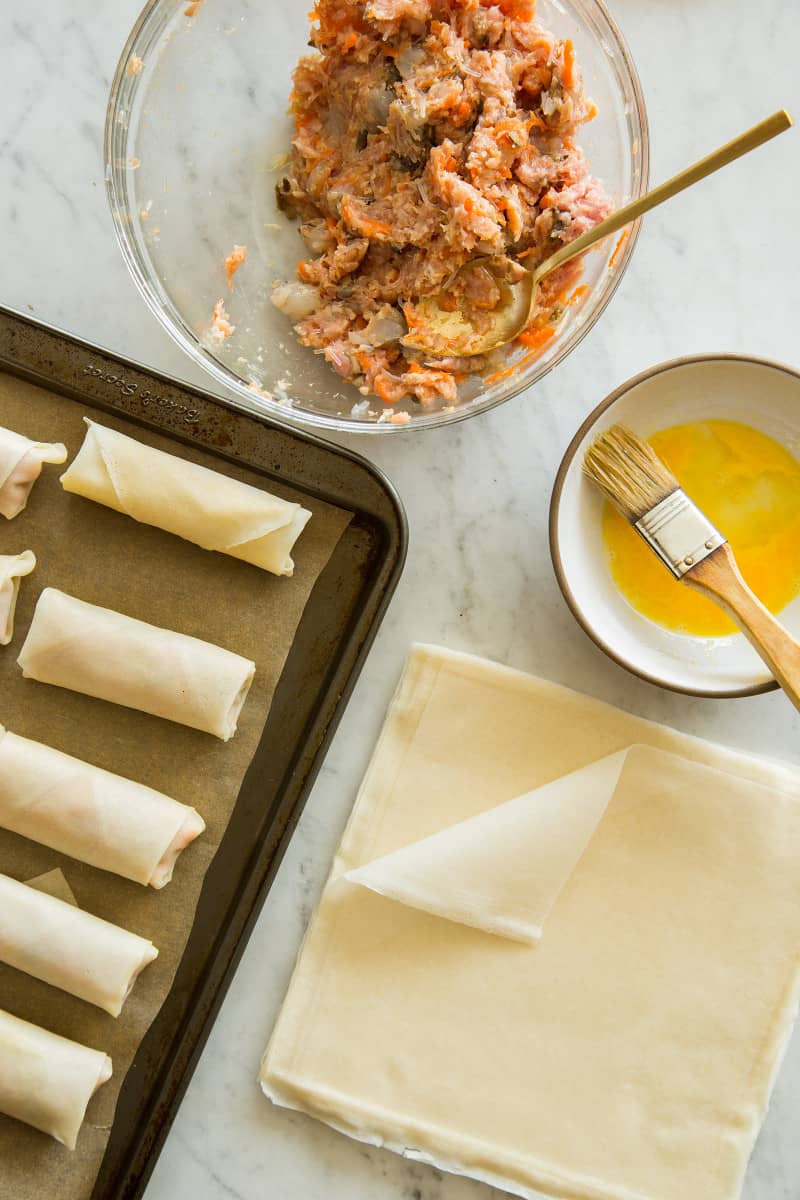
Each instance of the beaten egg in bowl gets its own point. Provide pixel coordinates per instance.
(749, 486)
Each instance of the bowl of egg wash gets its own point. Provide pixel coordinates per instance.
(728, 427)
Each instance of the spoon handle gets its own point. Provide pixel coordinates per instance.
(740, 145)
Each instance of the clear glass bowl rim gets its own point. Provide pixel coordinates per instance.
(116, 180)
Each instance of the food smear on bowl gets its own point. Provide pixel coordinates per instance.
(233, 261)
(220, 327)
(749, 486)
(429, 133)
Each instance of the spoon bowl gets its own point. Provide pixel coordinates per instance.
(438, 327)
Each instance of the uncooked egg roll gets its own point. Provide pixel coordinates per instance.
(94, 816)
(45, 1080)
(102, 653)
(20, 466)
(191, 501)
(68, 948)
(12, 569)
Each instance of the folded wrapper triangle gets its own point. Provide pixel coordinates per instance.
(502, 870)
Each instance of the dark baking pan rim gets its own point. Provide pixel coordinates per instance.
(338, 627)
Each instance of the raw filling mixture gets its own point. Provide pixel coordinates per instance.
(428, 133)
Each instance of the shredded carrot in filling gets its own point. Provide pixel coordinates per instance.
(568, 72)
(534, 338)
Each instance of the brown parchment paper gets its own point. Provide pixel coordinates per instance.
(108, 559)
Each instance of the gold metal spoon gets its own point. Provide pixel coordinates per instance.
(442, 333)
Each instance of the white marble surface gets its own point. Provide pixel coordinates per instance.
(709, 274)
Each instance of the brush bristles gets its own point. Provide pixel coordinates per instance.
(628, 471)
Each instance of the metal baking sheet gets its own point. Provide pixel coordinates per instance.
(339, 623)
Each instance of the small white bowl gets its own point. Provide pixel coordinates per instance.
(765, 395)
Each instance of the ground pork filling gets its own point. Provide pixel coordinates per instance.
(429, 133)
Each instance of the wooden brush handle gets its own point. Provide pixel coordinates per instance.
(718, 576)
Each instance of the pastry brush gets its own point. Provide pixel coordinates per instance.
(632, 476)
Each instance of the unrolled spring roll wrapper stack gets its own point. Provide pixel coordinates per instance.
(202, 506)
(91, 551)
(559, 947)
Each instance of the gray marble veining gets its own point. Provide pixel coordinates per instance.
(708, 274)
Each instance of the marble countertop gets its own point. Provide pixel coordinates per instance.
(709, 274)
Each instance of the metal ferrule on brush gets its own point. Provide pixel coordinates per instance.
(679, 532)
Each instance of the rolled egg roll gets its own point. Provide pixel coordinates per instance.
(69, 948)
(102, 653)
(47, 1081)
(191, 501)
(20, 466)
(12, 569)
(91, 815)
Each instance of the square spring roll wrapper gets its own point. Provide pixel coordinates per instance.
(107, 559)
(628, 1054)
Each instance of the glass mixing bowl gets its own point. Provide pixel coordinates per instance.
(196, 136)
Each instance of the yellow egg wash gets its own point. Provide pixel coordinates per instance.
(749, 486)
